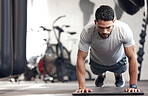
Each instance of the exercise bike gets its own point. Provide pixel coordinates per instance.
(56, 62)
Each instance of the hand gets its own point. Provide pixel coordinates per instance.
(131, 90)
(83, 90)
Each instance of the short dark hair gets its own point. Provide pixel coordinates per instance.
(104, 12)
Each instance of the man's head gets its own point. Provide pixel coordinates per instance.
(104, 20)
(105, 13)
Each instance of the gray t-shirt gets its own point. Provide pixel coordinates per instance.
(106, 51)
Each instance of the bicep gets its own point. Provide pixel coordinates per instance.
(82, 54)
(130, 51)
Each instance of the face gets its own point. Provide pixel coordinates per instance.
(104, 28)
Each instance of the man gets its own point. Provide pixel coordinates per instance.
(110, 43)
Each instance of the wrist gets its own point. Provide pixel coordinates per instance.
(82, 87)
(133, 86)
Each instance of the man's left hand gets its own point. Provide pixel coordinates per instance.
(132, 90)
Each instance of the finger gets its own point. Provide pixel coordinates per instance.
(129, 90)
(138, 90)
(77, 91)
(125, 90)
(132, 90)
(86, 90)
(90, 90)
(82, 91)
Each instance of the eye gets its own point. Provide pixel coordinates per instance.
(108, 27)
(101, 27)
(104, 27)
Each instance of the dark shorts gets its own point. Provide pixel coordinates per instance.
(119, 67)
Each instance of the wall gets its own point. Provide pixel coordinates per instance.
(78, 13)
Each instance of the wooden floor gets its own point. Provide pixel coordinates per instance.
(40, 88)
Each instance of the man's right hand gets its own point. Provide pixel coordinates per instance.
(81, 72)
(83, 90)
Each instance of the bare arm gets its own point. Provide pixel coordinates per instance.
(81, 71)
(133, 66)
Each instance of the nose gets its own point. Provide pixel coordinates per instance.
(104, 31)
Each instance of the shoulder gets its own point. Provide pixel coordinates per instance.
(120, 24)
(90, 27)
(122, 28)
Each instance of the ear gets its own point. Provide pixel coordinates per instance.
(113, 21)
(95, 21)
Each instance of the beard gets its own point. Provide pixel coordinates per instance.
(104, 35)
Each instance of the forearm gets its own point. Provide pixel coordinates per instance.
(133, 70)
(81, 73)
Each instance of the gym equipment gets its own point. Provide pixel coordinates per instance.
(139, 3)
(128, 6)
(60, 67)
(107, 93)
(141, 52)
(131, 7)
(13, 37)
(6, 44)
(19, 36)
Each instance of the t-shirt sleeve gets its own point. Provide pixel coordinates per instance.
(85, 39)
(128, 39)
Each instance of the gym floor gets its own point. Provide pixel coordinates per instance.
(40, 88)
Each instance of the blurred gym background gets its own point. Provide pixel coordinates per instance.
(77, 13)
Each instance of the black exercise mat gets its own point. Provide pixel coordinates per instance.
(107, 93)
